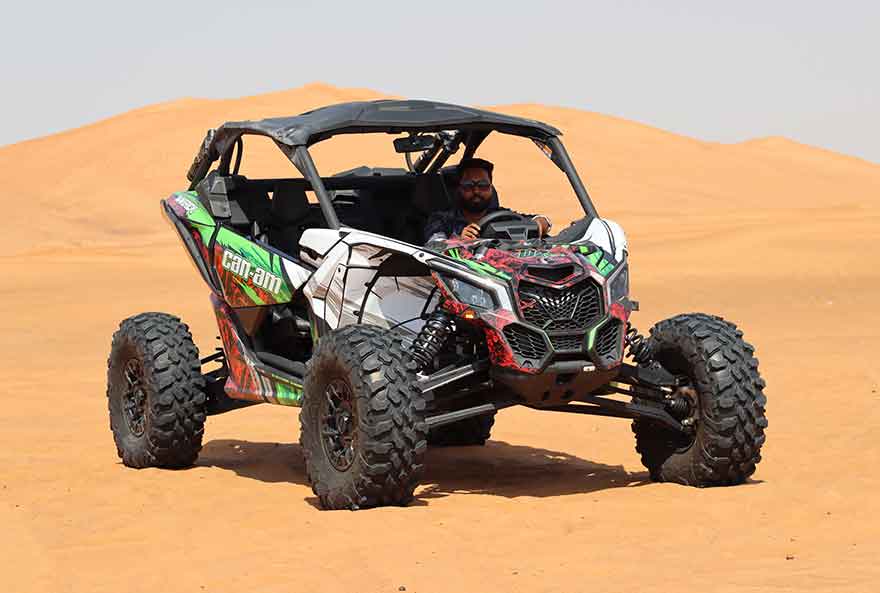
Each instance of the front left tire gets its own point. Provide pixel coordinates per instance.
(362, 425)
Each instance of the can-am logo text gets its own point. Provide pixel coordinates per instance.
(258, 276)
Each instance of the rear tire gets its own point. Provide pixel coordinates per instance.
(155, 392)
(363, 431)
(729, 421)
(472, 431)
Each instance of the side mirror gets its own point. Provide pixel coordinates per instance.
(414, 143)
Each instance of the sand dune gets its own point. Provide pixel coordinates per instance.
(774, 235)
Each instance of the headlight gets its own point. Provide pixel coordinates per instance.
(468, 293)
(619, 285)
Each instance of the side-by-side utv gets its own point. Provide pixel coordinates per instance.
(326, 298)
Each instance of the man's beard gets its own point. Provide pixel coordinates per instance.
(475, 205)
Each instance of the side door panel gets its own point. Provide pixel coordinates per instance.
(251, 275)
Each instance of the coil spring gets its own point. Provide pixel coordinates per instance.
(430, 340)
(637, 345)
(679, 407)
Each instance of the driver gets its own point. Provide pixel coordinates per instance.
(474, 202)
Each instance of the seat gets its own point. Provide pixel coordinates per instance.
(247, 205)
(357, 209)
(428, 196)
(289, 216)
(235, 201)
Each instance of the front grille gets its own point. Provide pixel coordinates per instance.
(563, 325)
(567, 343)
(554, 309)
(608, 341)
(525, 342)
(551, 274)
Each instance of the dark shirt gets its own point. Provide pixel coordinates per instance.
(448, 223)
(444, 224)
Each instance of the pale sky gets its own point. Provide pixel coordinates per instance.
(721, 71)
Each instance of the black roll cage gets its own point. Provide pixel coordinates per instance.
(431, 161)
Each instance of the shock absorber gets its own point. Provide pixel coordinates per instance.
(430, 340)
(679, 407)
(637, 345)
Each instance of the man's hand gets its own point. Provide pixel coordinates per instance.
(544, 225)
(471, 231)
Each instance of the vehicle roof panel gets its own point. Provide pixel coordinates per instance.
(393, 116)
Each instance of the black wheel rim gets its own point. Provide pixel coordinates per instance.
(338, 424)
(134, 398)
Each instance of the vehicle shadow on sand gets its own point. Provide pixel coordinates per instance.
(499, 469)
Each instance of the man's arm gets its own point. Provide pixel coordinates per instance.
(544, 222)
(437, 227)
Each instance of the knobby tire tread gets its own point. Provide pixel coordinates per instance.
(730, 431)
(175, 405)
(392, 432)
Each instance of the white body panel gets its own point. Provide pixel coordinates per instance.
(346, 288)
(608, 235)
(297, 274)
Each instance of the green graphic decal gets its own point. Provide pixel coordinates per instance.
(195, 212)
(287, 393)
(256, 272)
(591, 337)
(532, 253)
(599, 262)
(478, 266)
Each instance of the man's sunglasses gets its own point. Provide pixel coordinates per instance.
(471, 185)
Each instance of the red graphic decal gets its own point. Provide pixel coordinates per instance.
(500, 352)
(527, 304)
(243, 381)
(197, 237)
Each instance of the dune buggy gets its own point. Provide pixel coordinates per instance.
(326, 299)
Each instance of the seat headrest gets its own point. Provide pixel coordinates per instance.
(289, 204)
(247, 204)
(429, 194)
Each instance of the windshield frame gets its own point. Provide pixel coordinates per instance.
(302, 160)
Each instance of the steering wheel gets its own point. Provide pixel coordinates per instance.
(506, 224)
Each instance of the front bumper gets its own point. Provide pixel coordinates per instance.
(558, 383)
(534, 348)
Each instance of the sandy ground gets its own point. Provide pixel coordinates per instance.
(778, 237)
